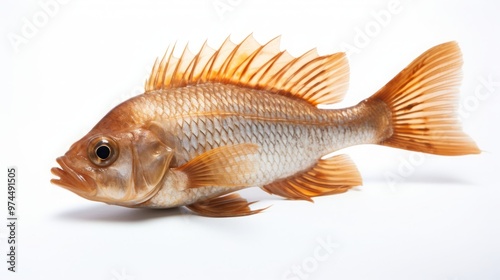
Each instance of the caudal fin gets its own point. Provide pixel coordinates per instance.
(423, 100)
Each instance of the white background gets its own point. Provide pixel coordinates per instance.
(438, 218)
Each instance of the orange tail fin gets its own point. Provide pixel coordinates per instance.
(423, 99)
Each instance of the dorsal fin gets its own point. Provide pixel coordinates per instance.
(317, 79)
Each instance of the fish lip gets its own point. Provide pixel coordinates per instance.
(80, 184)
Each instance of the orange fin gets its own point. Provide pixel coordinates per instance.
(317, 79)
(423, 99)
(226, 166)
(329, 176)
(230, 205)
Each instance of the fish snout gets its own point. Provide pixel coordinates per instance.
(72, 180)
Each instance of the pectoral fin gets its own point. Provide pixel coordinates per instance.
(329, 176)
(227, 166)
(230, 205)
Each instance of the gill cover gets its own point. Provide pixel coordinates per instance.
(149, 160)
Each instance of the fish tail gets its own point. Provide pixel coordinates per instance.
(423, 100)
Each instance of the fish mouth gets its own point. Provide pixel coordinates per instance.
(80, 184)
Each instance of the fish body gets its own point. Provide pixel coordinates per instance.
(246, 115)
(292, 135)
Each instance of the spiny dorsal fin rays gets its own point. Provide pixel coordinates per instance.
(317, 79)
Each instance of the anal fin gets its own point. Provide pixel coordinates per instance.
(329, 176)
(230, 205)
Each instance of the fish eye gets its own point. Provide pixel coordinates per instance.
(102, 151)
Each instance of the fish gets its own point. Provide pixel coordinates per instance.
(249, 115)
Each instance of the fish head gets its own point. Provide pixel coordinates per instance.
(122, 168)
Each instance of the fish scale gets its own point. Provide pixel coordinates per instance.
(231, 114)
